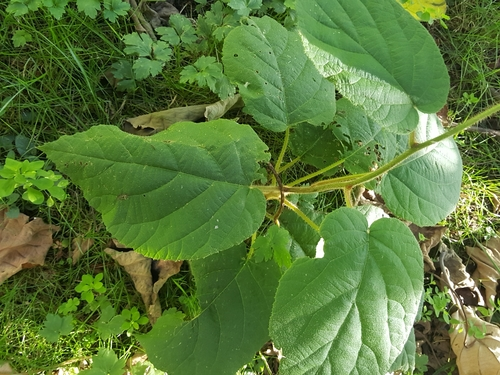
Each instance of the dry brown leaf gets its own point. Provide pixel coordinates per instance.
(476, 356)
(23, 244)
(152, 123)
(139, 268)
(432, 237)
(157, 121)
(487, 260)
(165, 269)
(80, 246)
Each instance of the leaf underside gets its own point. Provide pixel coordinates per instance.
(352, 311)
(378, 56)
(236, 299)
(426, 187)
(180, 194)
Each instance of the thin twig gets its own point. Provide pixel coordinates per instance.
(136, 13)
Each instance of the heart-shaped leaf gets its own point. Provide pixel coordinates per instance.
(352, 311)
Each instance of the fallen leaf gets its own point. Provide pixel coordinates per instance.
(457, 279)
(23, 244)
(139, 268)
(428, 237)
(219, 109)
(152, 123)
(80, 246)
(487, 259)
(158, 13)
(475, 356)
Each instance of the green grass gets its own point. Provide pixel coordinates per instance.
(55, 85)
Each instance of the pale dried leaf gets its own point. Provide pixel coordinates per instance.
(487, 259)
(80, 246)
(476, 356)
(219, 109)
(157, 121)
(23, 244)
(139, 269)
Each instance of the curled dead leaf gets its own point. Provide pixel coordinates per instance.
(23, 244)
(152, 123)
(475, 356)
(139, 268)
(487, 259)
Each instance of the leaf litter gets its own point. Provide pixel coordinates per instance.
(141, 269)
(23, 243)
(473, 339)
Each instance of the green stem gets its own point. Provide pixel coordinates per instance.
(360, 179)
(283, 150)
(317, 173)
(290, 164)
(302, 215)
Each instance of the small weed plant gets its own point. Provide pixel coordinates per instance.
(109, 324)
(351, 87)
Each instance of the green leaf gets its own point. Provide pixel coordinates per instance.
(55, 326)
(22, 7)
(114, 9)
(161, 51)
(7, 187)
(33, 195)
(144, 68)
(275, 244)
(244, 7)
(378, 56)
(109, 323)
(21, 37)
(350, 312)
(193, 201)
(184, 28)
(106, 362)
(169, 35)
(278, 83)
(236, 298)
(89, 7)
(425, 188)
(406, 360)
(138, 44)
(56, 7)
(316, 146)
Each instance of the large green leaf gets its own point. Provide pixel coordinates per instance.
(426, 187)
(181, 194)
(278, 83)
(352, 311)
(378, 56)
(236, 299)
